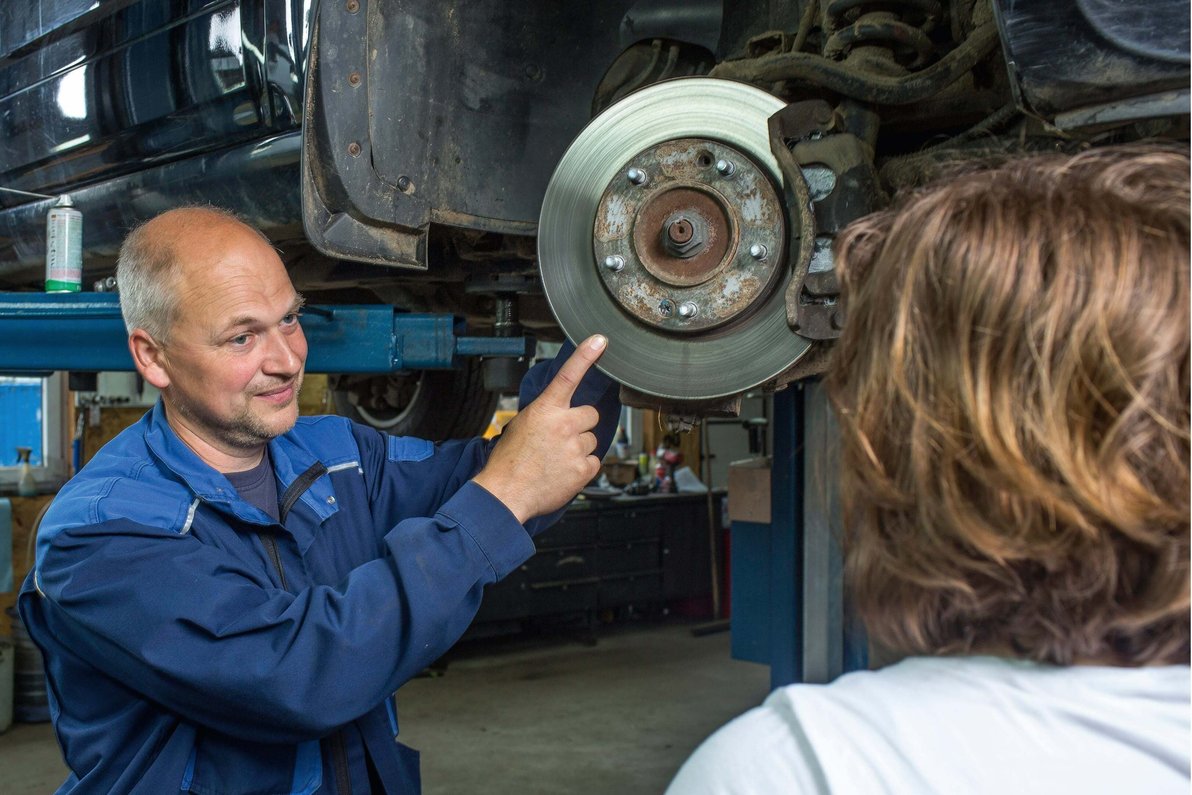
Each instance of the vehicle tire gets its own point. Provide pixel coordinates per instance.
(430, 404)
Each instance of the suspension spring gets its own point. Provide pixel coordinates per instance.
(900, 27)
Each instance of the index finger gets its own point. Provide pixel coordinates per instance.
(565, 382)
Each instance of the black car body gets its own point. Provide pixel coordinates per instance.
(399, 150)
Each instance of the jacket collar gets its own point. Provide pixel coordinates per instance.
(290, 459)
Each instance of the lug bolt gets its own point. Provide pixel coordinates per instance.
(666, 307)
(725, 167)
(614, 262)
(637, 176)
(758, 251)
(688, 309)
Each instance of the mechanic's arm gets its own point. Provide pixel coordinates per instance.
(209, 637)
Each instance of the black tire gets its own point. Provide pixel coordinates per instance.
(430, 404)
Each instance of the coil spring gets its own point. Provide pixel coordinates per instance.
(902, 26)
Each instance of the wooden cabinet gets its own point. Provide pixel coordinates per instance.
(611, 554)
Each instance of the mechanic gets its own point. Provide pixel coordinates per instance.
(228, 596)
(1012, 386)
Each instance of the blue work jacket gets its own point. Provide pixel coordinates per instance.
(192, 644)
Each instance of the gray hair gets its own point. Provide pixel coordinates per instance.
(147, 272)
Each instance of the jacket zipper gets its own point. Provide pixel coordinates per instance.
(300, 485)
(343, 780)
(339, 755)
(271, 547)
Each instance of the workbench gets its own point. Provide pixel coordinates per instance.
(610, 554)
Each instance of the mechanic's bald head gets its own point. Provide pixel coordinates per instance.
(157, 253)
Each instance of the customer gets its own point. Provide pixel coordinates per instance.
(1012, 388)
(228, 596)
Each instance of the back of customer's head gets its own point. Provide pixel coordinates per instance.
(1012, 386)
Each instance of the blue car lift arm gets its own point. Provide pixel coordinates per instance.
(84, 332)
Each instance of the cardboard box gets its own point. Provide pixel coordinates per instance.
(749, 490)
(620, 473)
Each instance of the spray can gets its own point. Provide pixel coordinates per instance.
(64, 248)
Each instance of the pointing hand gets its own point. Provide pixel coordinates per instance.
(544, 455)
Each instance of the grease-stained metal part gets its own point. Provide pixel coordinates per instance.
(759, 251)
(842, 185)
(725, 168)
(614, 262)
(684, 236)
(637, 176)
(688, 309)
(666, 359)
(681, 236)
(821, 181)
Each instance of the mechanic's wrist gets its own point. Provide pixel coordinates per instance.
(509, 495)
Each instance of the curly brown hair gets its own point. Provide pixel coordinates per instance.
(1013, 391)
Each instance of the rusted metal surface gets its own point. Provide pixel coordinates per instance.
(685, 206)
(682, 416)
(801, 119)
(683, 235)
(842, 186)
(817, 70)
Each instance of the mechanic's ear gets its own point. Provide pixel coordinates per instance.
(149, 358)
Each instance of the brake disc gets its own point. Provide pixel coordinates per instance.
(663, 227)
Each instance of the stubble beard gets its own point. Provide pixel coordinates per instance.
(245, 430)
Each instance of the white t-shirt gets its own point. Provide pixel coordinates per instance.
(958, 725)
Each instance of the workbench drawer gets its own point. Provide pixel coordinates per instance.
(574, 529)
(634, 589)
(560, 565)
(628, 557)
(631, 524)
(546, 598)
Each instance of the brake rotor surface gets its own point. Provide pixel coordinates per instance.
(663, 229)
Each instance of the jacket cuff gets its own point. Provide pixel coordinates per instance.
(494, 528)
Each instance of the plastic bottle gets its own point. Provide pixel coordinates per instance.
(26, 484)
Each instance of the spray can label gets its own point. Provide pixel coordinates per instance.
(64, 250)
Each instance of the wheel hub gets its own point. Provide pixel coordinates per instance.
(684, 235)
(664, 229)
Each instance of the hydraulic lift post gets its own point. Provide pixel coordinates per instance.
(789, 609)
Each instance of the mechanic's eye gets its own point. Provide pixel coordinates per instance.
(240, 340)
(291, 318)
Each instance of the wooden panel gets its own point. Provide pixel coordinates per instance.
(25, 512)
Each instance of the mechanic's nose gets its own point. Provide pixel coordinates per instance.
(287, 352)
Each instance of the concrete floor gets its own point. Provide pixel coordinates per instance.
(532, 715)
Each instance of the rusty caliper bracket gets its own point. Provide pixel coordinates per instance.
(809, 139)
